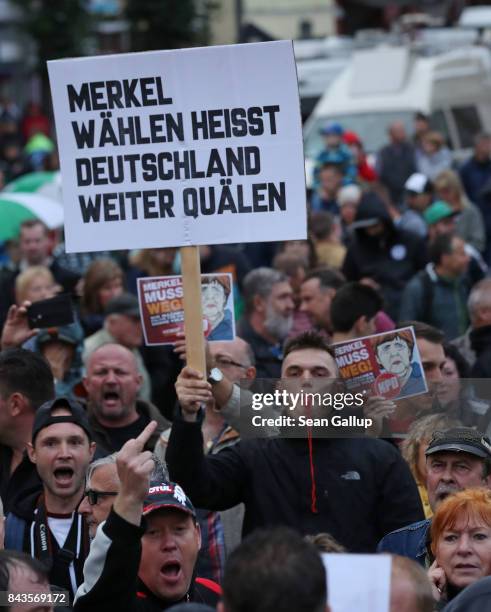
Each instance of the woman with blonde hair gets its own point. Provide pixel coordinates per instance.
(35, 283)
(469, 223)
(460, 542)
(414, 447)
(59, 345)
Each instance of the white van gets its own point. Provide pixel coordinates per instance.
(386, 84)
(318, 63)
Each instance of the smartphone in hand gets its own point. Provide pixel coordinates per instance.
(53, 312)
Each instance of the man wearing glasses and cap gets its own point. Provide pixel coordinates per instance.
(143, 556)
(456, 459)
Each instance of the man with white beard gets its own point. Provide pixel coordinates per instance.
(268, 318)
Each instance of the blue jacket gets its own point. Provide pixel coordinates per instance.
(410, 541)
(474, 176)
(340, 156)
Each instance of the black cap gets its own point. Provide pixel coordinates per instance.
(460, 440)
(125, 304)
(167, 495)
(44, 417)
(421, 116)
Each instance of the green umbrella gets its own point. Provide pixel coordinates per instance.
(11, 217)
(31, 183)
(18, 207)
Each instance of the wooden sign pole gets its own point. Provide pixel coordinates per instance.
(193, 312)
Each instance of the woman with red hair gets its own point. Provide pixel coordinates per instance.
(460, 542)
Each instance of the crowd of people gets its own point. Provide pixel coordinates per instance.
(125, 480)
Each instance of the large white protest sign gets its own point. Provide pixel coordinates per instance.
(358, 582)
(179, 148)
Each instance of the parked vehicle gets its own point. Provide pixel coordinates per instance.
(387, 83)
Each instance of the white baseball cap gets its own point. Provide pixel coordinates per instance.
(417, 183)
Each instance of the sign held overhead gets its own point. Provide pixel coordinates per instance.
(180, 148)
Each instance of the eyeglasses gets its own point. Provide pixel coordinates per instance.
(226, 363)
(93, 496)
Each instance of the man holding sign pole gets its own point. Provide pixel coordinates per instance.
(351, 488)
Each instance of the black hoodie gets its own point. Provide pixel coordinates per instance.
(356, 489)
(22, 517)
(22, 483)
(390, 258)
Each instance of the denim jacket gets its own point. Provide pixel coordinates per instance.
(411, 541)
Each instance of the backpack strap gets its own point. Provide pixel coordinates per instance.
(14, 532)
(428, 293)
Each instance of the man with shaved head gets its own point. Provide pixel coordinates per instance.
(115, 414)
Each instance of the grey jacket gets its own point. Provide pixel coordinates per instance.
(433, 299)
(470, 226)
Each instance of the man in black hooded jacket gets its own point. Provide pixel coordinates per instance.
(355, 489)
(380, 253)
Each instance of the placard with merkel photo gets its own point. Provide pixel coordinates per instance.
(387, 364)
(162, 308)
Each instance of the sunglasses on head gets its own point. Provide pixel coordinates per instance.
(93, 496)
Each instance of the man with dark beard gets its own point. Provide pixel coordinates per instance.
(268, 318)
